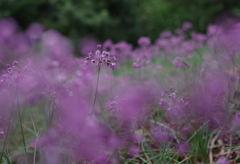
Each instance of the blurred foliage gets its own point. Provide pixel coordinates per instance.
(165, 14)
(116, 19)
(113, 19)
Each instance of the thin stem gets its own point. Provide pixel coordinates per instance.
(22, 133)
(95, 96)
(52, 113)
(35, 151)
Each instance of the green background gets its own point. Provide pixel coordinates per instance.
(117, 19)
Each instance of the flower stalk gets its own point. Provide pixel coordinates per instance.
(95, 95)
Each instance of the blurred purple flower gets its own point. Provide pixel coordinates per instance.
(56, 46)
(162, 103)
(144, 41)
(8, 27)
(179, 62)
(166, 34)
(237, 118)
(185, 131)
(179, 31)
(162, 134)
(107, 45)
(121, 50)
(223, 160)
(162, 43)
(186, 25)
(34, 31)
(136, 65)
(133, 104)
(134, 150)
(20, 44)
(212, 92)
(214, 30)
(77, 134)
(198, 37)
(183, 148)
(88, 44)
(138, 137)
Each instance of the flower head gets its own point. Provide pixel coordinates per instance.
(101, 57)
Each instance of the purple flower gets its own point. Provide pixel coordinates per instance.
(172, 95)
(186, 25)
(237, 118)
(183, 148)
(133, 104)
(14, 63)
(35, 31)
(88, 44)
(223, 160)
(213, 30)
(134, 150)
(179, 62)
(20, 43)
(138, 137)
(111, 105)
(162, 103)
(99, 58)
(136, 65)
(144, 41)
(166, 34)
(199, 37)
(162, 134)
(121, 49)
(212, 92)
(76, 134)
(8, 27)
(185, 131)
(179, 31)
(107, 45)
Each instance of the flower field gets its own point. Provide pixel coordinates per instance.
(172, 100)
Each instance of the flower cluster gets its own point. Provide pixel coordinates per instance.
(101, 57)
(13, 74)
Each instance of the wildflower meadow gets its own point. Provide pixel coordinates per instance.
(174, 100)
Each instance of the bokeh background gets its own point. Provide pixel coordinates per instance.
(120, 19)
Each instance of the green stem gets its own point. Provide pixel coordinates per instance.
(52, 113)
(20, 120)
(95, 96)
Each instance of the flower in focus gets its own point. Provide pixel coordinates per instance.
(101, 57)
